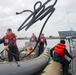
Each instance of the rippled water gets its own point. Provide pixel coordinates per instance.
(21, 43)
(50, 43)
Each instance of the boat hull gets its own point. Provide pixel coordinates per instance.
(27, 67)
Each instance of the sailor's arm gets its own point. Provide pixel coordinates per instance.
(2, 40)
(36, 39)
(67, 53)
(30, 38)
(12, 42)
(45, 42)
(51, 52)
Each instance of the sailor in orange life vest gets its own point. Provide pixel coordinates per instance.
(33, 38)
(42, 41)
(59, 56)
(9, 41)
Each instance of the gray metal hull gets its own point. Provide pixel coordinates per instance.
(26, 67)
(64, 34)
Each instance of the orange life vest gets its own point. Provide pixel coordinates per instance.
(42, 39)
(8, 39)
(59, 48)
(33, 38)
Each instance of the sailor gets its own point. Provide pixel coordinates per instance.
(9, 41)
(42, 41)
(59, 56)
(33, 38)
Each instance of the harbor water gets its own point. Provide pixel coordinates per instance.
(50, 43)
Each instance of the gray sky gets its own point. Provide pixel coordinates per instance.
(62, 19)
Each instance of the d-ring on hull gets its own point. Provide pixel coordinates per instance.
(26, 67)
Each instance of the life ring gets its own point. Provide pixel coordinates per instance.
(30, 48)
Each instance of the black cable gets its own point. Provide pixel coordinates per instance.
(1, 58)
(39, 13)
(1, 53)
(14, 55)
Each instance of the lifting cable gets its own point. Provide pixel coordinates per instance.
(39, 13)
(1, 53)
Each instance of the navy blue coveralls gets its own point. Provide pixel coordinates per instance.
(41, 47)
(13, 49)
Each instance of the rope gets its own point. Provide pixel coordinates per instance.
(39, 13)
(1, 53)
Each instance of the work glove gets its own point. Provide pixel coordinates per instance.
(6, 48)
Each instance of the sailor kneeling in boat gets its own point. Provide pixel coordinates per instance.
(59, 56)
(9, 41)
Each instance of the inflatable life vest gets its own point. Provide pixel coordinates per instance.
(42, 39)
(33, 38)
(30, 48)
(59, 48)
(8, 39)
